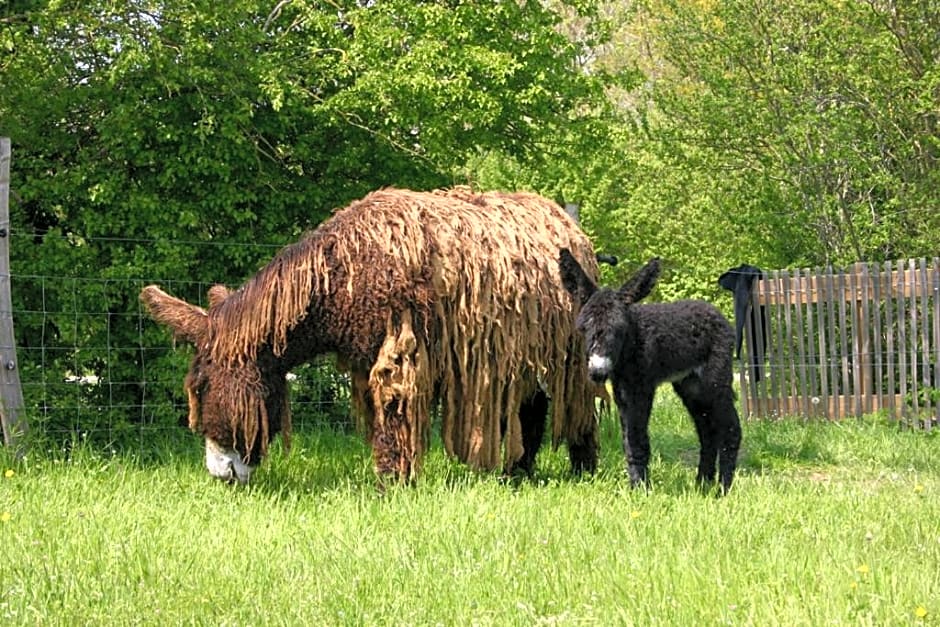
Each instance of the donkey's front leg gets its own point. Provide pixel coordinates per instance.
(634, 422)
(392, 452)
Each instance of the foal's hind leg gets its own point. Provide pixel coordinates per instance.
(728, 429)
(693, 394)
(718, 426)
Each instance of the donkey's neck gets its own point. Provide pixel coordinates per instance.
(305, 341)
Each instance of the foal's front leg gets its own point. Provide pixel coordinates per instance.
(634, 423)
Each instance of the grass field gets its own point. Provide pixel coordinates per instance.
(828, 524)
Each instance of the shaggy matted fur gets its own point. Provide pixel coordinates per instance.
(638, 347)
(451, 297)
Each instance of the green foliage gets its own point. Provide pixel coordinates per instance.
(744, 132)
(183, 143)
(813, 126)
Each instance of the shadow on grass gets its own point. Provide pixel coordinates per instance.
(761, 454)
(322, 461)
(325, 459)
(155, 450)
(766, 448)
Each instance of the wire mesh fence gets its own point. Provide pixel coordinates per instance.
(94, 367)
(91, 369)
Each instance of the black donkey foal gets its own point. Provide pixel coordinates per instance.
(688, 343)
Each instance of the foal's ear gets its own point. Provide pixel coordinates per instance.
(188, 322)
(641, 284)
(576, 282)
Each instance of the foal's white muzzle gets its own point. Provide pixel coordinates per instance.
(599, 367)
(226, 464)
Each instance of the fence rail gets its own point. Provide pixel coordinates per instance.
(845, 343)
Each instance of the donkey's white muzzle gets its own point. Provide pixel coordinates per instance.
(226, 464)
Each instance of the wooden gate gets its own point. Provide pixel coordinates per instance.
(845, 343)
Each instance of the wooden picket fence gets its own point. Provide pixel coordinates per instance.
(845, 343)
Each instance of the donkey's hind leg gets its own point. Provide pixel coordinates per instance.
(582, 453)
(532, 417)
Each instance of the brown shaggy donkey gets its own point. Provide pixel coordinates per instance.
(449, 299)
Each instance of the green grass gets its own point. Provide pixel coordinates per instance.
(827, 524)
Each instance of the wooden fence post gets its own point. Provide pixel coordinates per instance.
(11, 394)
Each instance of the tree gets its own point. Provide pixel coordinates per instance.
(815, 120)
(159, 140)
(749, 132)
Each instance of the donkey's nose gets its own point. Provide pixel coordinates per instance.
(228, 476)
(223, 470)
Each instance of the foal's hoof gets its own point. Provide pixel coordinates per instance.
(641, 485)
(713, 488)
(639, 477)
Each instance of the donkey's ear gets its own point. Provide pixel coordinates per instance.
(641, 284)
(576, 282)
(188, 322)
(218, 293)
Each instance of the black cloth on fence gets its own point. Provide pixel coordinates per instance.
(608, 259)
(740, 281)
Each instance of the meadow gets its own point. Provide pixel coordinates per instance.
(827, 524)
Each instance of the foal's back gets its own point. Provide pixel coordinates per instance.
(675, 337)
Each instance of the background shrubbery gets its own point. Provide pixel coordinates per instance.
(184, 143)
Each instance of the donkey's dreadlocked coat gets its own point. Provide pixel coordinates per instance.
(449, 298)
